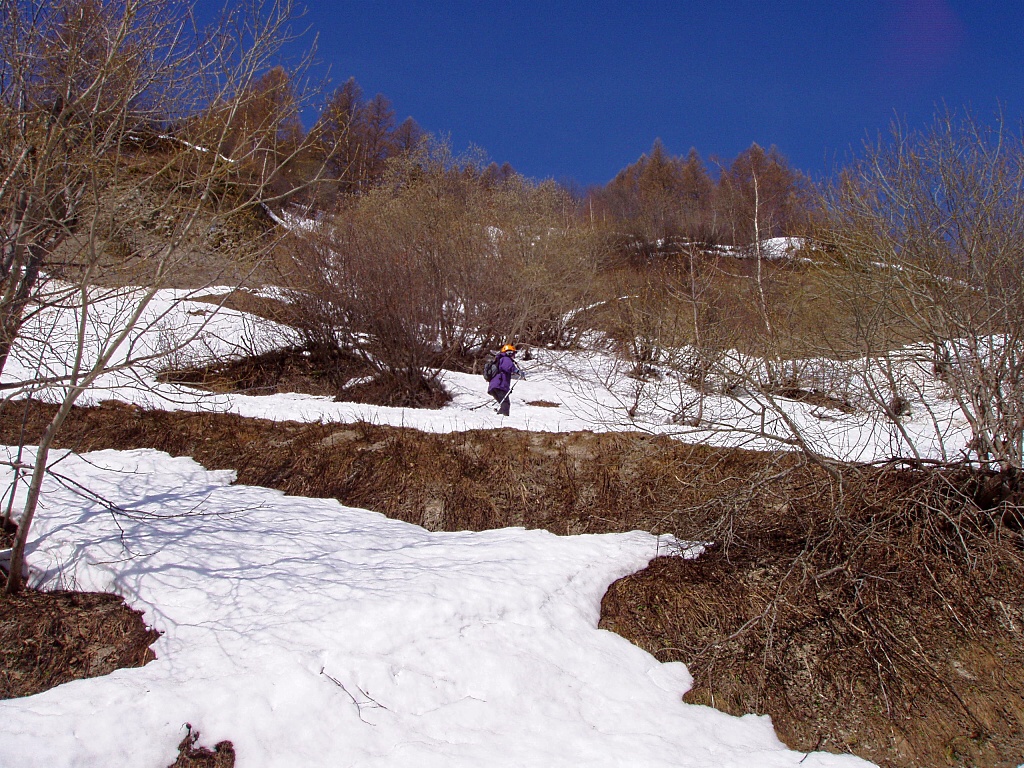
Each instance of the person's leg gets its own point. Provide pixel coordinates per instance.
(501, 395)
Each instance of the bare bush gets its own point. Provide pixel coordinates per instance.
(541, 266)
(909, 316)
(927, 227)
(435, 265)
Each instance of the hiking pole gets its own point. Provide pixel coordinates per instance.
(495, 404)
(507, 395)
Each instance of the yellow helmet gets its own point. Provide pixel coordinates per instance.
(508, 348)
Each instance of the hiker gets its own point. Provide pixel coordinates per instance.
(500, 385)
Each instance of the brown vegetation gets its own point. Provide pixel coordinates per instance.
(926, 229)
(437, 264)
(884, 621)
(661, 204)
(891, 631)
(701, 299)
(306, 371)
(51, 638)
(191, 756)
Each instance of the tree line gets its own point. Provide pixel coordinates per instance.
(664, 202)
(656, 204)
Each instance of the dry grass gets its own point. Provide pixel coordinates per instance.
(242, 300)
(886, 623)
(809, 304)
(567, 483)
(191, 756)
(883, 621)
(282, 370)
(51, 638)
(326, 373)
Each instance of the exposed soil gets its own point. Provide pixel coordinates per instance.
(191, 756)
(282, 370)
(313, 372)
(51, 638)
(251, 303)
(948, 696)
(567, 483)
(886, 620)
(816, 398)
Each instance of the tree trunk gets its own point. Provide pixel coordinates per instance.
(15, 579)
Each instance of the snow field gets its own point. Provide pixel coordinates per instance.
(313, 634)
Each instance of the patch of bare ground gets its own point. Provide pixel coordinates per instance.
(191, 756)
(889, 627)
(49, 638)
(311, 372)
(882, 617)
(815, 398)
(251, 303)
(282, 370)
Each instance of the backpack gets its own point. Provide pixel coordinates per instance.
(491, 368)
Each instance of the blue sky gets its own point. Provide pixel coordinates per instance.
(579, 90)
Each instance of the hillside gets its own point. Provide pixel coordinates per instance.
(580, 482)
(791, 482)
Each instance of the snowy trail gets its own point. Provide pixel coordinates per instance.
(565, 391)
(313, 634)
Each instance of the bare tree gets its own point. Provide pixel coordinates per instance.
(759, 196)
(917, 252)
(927, 227)
(112, 117)
(437, 263)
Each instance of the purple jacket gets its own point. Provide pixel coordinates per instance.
(507, 368)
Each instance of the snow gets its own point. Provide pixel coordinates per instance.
(773, 248)
(589, 389)
(313, 634)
